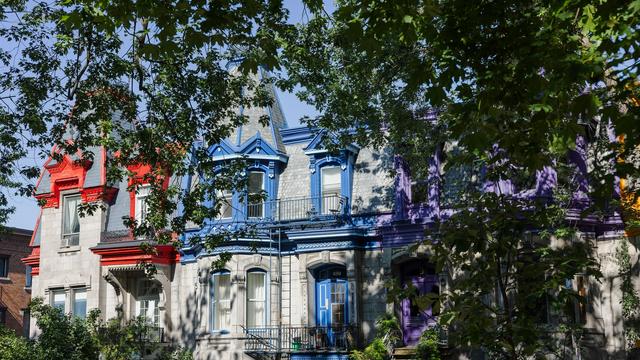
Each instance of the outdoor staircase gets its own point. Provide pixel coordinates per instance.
(403, 353)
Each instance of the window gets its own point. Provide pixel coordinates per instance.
(71, 221)
(26, 322)
(3, 315)
(255, 209)
(4, 266)
(331, 189)
(256, 299)
(141, 204)
(221, 301)
(147, 301)
(28, 277)
(58, 299)
(225, 198)
(80, 303)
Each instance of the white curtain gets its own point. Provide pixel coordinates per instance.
(331, 185)
(256, 299)
(222, 301)
(72, 221)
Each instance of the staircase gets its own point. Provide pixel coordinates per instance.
(403, 353)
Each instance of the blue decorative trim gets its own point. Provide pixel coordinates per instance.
(296, 135)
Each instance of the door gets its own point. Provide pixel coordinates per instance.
(415, 320)
(331, 310)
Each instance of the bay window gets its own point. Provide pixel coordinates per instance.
(256, 299)
(221, 301)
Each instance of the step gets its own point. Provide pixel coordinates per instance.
(404, 353)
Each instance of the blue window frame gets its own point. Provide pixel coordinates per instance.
(220, 294)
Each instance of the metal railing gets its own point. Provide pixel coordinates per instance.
(289, 339)
(297, 209)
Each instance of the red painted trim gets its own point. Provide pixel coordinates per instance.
(96, 193)
(64, 175)
(132, 255)
(33, 260)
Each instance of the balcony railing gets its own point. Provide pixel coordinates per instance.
(298, 209)
(300, 339)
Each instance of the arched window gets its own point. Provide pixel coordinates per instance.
(221, 301)
(256, 298)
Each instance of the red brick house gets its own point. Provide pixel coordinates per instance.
(15, 279)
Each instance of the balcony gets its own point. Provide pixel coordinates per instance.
(299, 339)
(298, 209)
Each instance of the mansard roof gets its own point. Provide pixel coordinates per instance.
(270, 133)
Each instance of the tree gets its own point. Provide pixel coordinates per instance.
(512, 88)
(146, 80)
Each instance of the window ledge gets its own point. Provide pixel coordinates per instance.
(69, 249)
(4, 279)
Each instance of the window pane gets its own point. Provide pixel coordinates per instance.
(221, 301)
(256, 299)
(331, 180)
(71, 219)
(59, 298)
(225, 198)
(141, 203)
(80, 303)
(4, 266)
(256, 182)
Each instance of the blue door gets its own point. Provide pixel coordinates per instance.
(332, 308)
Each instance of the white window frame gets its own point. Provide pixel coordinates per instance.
(215, 302)
(72, 238)
(264, 301)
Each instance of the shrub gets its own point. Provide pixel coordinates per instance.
(14, 347)
(374, 351)
(427, 348)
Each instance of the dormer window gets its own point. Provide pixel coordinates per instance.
(255, 187)
(141, 203)
(70, 221)
(331, 189)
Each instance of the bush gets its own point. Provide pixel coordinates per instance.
(14, 347)
(64, 337)
(375, 351)
(427, 348)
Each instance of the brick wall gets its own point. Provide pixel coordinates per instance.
(13, 296)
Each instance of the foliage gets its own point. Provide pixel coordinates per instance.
(146, 80)
(427, 348)
(62, 336)
(523, 89)
(388, 330)
(374, 351)
(66, 337)
(14, 347)
(630, 300)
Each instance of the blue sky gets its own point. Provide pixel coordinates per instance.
(26, 208)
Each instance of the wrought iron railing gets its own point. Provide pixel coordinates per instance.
(297, 209)
(290, 339)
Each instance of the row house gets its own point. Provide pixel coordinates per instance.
(310, 279)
